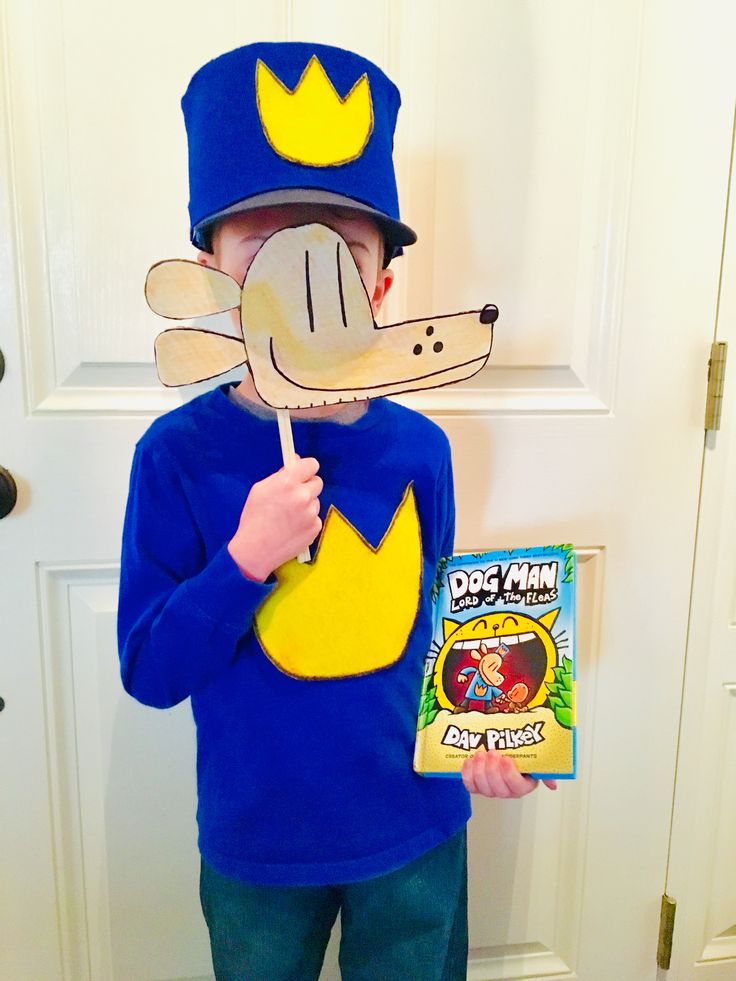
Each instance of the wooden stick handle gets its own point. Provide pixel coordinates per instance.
(287, 451)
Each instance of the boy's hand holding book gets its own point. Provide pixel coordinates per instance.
(279, 519)
(492, 774)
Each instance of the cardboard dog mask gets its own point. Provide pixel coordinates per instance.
(308, 333)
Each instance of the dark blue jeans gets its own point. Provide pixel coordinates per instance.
(408, 925)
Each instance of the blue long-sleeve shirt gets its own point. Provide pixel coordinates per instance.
(299, 781)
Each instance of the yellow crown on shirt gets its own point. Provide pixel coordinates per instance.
(351, 610)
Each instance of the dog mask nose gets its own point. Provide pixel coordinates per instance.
(489, 314)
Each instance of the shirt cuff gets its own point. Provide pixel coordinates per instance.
(225, 596)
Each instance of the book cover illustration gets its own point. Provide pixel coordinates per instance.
(500, 673)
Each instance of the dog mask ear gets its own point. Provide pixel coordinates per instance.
(185, 355)
(180, 289)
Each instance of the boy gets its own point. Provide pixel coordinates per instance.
(308, 804)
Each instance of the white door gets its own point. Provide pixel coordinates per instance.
(567, 161)
(701, 875)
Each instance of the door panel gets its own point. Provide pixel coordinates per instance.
(702, 867)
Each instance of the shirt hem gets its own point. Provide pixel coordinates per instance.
(334, 873)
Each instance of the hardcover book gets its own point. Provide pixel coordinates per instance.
(500, 673)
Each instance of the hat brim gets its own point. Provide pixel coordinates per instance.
(395, 233)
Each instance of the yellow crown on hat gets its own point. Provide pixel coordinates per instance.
(312, 124)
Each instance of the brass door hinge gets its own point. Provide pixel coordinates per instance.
(666, 928)
(716, 376)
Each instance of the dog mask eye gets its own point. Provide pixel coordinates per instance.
(304, 288)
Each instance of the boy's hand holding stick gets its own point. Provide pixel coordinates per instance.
(287, 451)
(280, 517)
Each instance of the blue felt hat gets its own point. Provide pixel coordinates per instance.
(290, 122)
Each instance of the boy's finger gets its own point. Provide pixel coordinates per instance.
(552, 784)
(530, 784)
(304, 468)
(489, 765)
(490, 776)
(473, 771)
(519, 784)
(477, 781)
(314, 485)
(468, 776)
(516, 783)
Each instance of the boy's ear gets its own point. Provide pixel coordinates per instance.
(383, 285)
